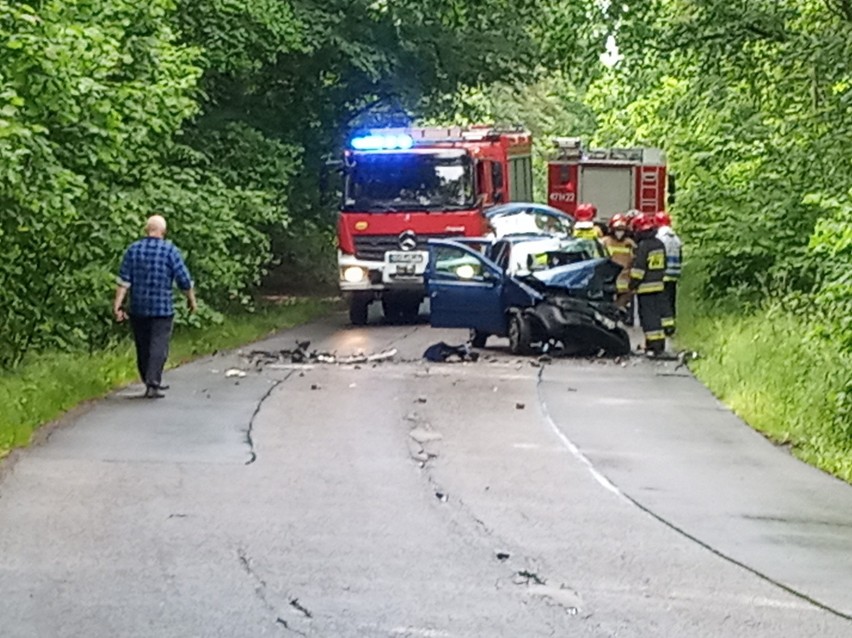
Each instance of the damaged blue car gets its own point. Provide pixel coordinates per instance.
(565, 299)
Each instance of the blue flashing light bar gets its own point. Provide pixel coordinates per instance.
(378, 142)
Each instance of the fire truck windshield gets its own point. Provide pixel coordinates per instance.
(383, 182)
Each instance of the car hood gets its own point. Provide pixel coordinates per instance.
(594, 274)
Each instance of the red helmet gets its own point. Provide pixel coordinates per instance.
(585, 213)
(662, 218)
(643, 222)
(618, 221)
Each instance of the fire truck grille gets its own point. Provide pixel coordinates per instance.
(374, 247)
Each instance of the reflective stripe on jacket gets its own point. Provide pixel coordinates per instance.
(649, 266)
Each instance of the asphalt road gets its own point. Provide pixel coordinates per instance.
(490, 499)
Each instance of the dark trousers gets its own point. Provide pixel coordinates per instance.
(670, 313)
(151, 335)
(671, 294)
(652, 306)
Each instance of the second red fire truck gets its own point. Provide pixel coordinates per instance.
(403, 187)
(615, 180)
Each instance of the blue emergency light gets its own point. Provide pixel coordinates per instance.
(379, 142)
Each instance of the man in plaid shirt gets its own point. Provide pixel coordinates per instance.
(149, 269)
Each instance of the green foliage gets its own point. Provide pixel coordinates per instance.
(50, 383)
(219, 114)
(793, 387)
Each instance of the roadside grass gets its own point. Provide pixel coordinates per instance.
(777, 376)
(49, 384)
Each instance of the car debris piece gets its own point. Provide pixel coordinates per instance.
(442, 352)
(300, 356)
(503, 556)
(520, 406)
(235, 373)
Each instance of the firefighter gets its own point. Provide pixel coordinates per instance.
(674, 248)
(585, 229)
(620, 249)
(646, 280)
(584, 226)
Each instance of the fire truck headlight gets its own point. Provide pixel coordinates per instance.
(354, 274)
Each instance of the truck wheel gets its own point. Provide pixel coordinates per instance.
(358, 307)
(478, 339)
(520, 335)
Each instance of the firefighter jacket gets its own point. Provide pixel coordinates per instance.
(649, 266)
(674, 248)
(586, 230)
(621, 252)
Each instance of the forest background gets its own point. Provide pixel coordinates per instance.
(221, 115)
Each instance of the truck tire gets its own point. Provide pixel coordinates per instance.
(478, 339)
(359, 304)
(520, 335)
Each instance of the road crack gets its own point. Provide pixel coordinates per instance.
(261, 591)
(250, 429)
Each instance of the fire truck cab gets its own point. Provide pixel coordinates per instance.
(615, 180)
(403, 187)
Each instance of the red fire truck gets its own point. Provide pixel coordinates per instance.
(615, 180)
(403, 187)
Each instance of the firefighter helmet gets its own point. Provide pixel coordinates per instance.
(662, 218)
(643, 222)
(618, 221)
(585, 212)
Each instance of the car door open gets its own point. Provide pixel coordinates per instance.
(465, 288)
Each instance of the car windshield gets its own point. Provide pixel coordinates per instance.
(405, 181)
(529, 223)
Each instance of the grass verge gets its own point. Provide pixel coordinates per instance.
(47, 385)
(766, 366)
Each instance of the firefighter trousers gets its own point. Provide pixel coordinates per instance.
(652, 308)
(670, 310)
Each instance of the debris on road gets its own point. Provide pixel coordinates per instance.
(526, 577)
(422, 435)
(520, 406)
(442, 352)
(503, 556)
(442, 497)
(302, 357)
(235, 373)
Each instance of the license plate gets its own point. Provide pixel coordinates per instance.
(405, 258)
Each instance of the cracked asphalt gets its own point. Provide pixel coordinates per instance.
(407, 499)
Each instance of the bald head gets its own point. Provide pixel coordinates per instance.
(156, 226)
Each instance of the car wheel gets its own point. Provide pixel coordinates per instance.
(478, 339)
(358, 307)
(622, 344)
(520, 335)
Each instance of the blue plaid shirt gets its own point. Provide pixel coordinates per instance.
(149, 268)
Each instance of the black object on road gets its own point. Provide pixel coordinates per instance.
(442, 352)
